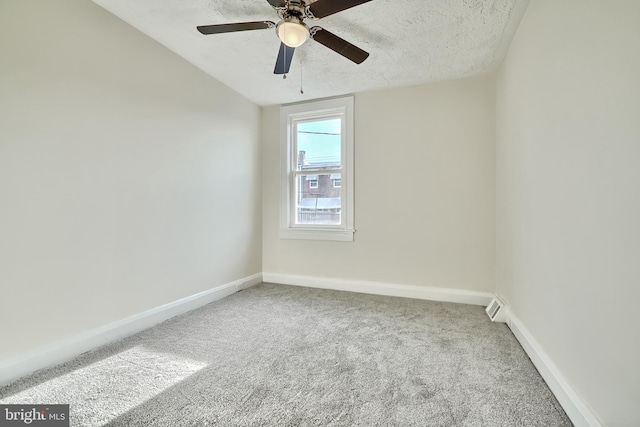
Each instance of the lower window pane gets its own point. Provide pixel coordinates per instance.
(318, 199)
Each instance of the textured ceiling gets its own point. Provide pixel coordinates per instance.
(410, 42)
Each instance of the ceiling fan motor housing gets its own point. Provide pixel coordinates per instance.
(295, 6)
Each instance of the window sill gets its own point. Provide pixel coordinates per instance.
(315, 234)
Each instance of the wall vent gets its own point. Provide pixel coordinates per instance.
(496, 310)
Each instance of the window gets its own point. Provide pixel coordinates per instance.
(317, 170)
(313, 181)
(337, 180)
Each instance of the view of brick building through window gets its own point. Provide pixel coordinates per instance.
(319, 178)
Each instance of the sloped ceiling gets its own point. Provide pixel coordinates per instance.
(410, 42)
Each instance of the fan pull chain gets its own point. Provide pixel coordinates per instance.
(284, 63)
(301, 90)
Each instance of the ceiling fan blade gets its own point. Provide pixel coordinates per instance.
(283, 63)
(338, 45)
(276, 3)
(322, 8)
(240, 26)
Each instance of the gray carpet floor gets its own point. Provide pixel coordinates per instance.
(276, 355)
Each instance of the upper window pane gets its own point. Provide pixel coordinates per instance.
(319, 144)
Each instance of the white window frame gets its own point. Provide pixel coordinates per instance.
(289, 114)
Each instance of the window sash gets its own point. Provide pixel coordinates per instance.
(296, 189)
(295, 138)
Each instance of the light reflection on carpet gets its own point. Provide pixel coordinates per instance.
(109, 388)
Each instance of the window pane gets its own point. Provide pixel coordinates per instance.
(318, 201)
(319, 144)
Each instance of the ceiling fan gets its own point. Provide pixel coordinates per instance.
(293, 32)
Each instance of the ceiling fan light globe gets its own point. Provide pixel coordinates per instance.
(293, 34)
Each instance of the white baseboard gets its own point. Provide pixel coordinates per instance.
(382, 288)
(571, 402)
(64, 350)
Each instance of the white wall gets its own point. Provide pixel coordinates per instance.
(424, 191)
(568, 194)
(128, 178)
